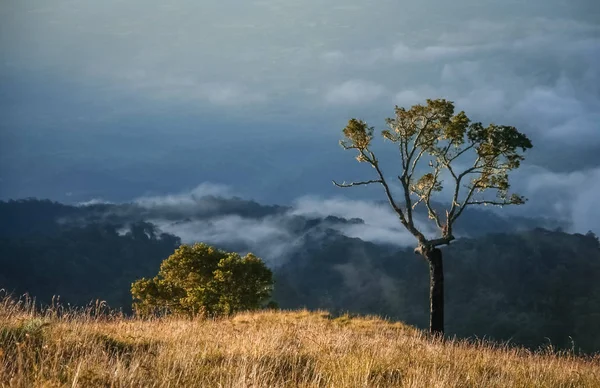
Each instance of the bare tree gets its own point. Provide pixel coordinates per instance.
(433, 141)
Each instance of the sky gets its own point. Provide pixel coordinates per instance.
(117, 99)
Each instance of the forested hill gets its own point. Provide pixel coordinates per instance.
(526, 286)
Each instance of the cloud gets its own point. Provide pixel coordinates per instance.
(354, 92)
(532, 66)
(573, 195)
(332, 57)
(266, 237)
(186, 200)
(95, 201)
(231, 95)
(206, 220)
(404, 53)
(204, 214)
(381, 224)
(274, 236)
(409, 97)
(164, 86)
(560, 114)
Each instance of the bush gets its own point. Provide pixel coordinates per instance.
(202, 280)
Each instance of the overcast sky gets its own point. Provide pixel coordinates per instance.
(119, 99)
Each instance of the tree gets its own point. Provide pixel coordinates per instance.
(202, 280)
(433, 141)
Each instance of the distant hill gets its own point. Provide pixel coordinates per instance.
(524, 284)
(527, 287)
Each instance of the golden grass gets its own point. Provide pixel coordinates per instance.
(261, 349)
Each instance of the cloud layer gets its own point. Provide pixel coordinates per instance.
(139, 96)
(273, 235)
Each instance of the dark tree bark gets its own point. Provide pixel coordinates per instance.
(436, 291)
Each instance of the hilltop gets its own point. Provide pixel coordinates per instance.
(262, 349)
(526, 285)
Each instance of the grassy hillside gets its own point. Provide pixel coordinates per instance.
(263, 349)
(529, 287)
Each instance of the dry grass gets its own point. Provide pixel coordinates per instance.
(263, 349)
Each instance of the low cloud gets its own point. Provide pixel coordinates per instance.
(354, 92)
(185, 200)
(266, 237)
(381, 224)
(274, 237)
(276, 231)
(572, 196)
(95, 201)
(561, 115)
(277, 234)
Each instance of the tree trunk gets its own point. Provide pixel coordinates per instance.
(436, 291)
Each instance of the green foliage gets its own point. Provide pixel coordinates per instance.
(432, 137)
(200, 279)
(359, 133)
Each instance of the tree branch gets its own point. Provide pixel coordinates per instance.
(408, 172)
(496, 203)
(450, 213)
(471, 169)
(372, 160)
(414, 165)
(441, 241)
(407, 200)
(461, 152)
(409, 224)
(432, 213)
(434, 243)
(416, 143)
(447, 149)
(403, 153)
(388, 194)
(464, 204)
(352, 184)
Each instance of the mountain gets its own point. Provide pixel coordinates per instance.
(526, 287)
(522, 283)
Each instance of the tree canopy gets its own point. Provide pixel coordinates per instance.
(201, 280)
(432, 139)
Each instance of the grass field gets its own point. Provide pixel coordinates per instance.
(262, 349)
